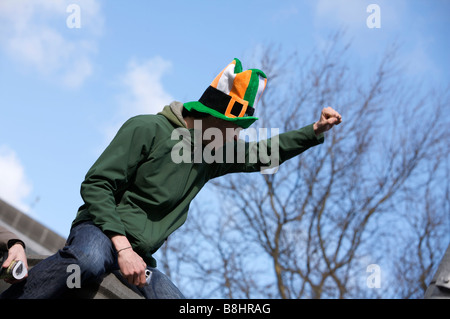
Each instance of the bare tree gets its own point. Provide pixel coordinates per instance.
(311, 229)
(425, 232)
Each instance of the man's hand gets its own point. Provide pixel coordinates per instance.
(328, 119)
(16, 252)
(131, 265)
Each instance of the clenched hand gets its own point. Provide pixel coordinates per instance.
(328, 118)
(131, 265)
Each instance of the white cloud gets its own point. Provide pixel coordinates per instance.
(35, 34)
(14, 186)
(142, 92)
(145, 92)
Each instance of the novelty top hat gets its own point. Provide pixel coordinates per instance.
(232, 95)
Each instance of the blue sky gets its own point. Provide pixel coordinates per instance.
(65, 91)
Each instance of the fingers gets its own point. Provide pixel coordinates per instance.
(331, 116)
(333, 121)
(142, 280)
(7, 262)
(132, 267)
(137, 276)
(138, 279)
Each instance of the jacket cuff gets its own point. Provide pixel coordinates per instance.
(111, 229)
(12, 242)
(319, 139)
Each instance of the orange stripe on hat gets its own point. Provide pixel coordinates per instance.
(240, 84)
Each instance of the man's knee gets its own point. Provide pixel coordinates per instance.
(79, 259)
(92, 262)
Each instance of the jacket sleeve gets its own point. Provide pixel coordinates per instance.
(108, 178)
(7, 239)
(256, 156)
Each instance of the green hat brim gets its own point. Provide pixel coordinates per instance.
(243, 122)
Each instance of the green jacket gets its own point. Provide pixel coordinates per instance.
(137, 190)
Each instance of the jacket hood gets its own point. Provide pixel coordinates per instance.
(173, 112)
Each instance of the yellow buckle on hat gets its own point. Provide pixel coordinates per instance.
(231, 105)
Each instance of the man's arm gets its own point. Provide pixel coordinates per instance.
(106, 180)
(281, 148)
(113, 172)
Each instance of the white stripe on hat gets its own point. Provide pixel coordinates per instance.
(261, 87)
(226, 80)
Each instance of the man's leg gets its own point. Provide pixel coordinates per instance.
(160, 287)
(87, 246)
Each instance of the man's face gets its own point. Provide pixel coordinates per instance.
(213, 126)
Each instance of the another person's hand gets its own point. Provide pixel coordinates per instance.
(15, 252)
(328, 118)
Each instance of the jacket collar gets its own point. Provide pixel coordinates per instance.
(173, 112)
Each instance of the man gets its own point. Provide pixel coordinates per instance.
(15, 247)
(135, 195)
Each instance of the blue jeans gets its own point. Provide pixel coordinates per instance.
(89, 248)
